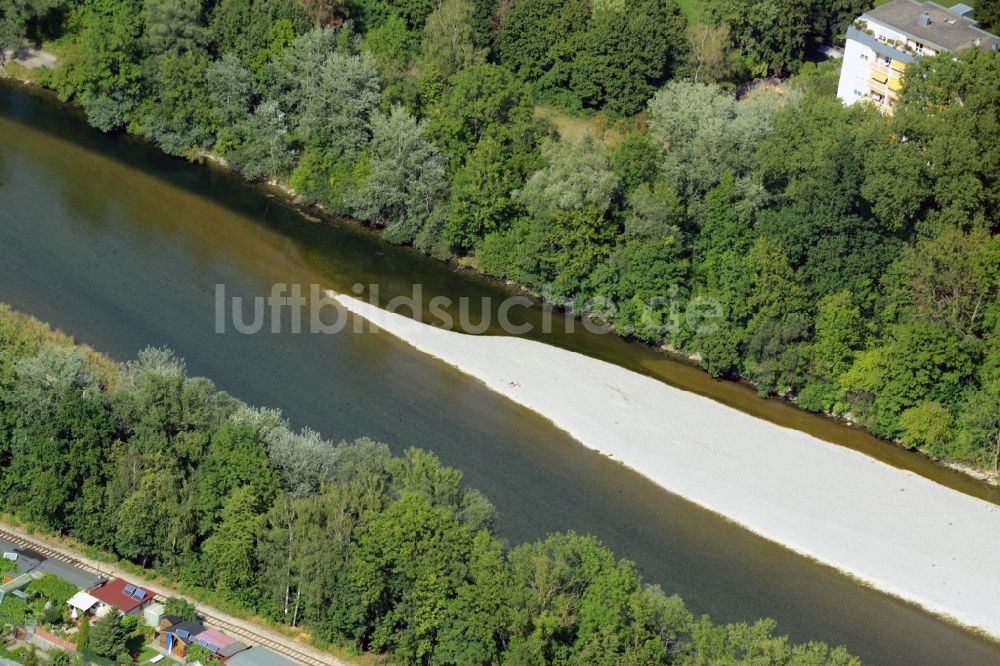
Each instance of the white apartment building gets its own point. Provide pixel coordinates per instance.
(883, 41)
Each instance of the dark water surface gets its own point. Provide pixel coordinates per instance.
(122, 247)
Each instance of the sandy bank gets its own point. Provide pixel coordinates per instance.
(895, 530)
(30, 57)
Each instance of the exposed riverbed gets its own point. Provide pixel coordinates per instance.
(826, 502)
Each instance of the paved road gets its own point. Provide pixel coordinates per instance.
(247, 631)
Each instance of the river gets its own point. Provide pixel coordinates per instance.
(121, 246)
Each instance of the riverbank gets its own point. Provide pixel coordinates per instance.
(888, 528)
(282, 190)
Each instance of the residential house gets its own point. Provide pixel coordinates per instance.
(883, 41)
(129, 598)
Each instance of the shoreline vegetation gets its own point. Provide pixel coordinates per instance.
(304, 206)
(855, 255)
(383, 554)
(859, 516)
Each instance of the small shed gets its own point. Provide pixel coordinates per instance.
(214, 640)
(15, 587)
(152, 614)
(234, 648)
(176, 638)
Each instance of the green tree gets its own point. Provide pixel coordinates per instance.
(928, 426)
(143, 519)
(104, 70)
(230, 89)
(980, 427)
(483, 100)
(706, 133)
(329, 96)
(107, 635)
(987, 14)
(177, 112)
(580, 238)
(770, 35)
(251, 29)
(182, 608)
(449, 40)
(948, 164)
(818, 213)
(919, 362)
(627, 52)
(407, 565)
(839, 334)
(174, 26)
(577, 174)
(415, 11)
(477, 624)
(407, 185)
(482, 195)
(83, 634)
(394, 47)
(709, 55)
(236, 457)
(59, 420)
(229, 553)
(636, 161)
(948, 280)
(264, 149)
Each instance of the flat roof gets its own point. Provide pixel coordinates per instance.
(185, 629)
(214, 639)
(24, 558)
(71, 574)
(232, 649)
(258, 656)
(946, 29)
(82, 601)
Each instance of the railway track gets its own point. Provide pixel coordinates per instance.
(245, 634)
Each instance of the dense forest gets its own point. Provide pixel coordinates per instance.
(855, 256)
(390, 554)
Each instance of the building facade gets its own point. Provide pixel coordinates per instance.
(883, 41)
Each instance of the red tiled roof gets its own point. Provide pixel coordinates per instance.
(113, 594)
